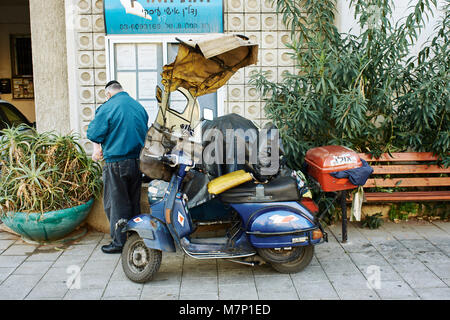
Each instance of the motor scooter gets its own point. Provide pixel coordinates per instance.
(272, 222)
(282, 232)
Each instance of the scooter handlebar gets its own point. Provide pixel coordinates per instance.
(174, 160)
(170, 159)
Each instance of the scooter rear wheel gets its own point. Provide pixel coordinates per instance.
(296, 265)
(139, 262)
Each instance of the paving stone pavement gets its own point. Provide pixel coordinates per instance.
(410, 260)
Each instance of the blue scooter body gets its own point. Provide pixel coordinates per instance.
(154, 232)
(277, 224)
(264, 225)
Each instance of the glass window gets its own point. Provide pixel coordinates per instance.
(138, 67)
(21, 58)
(178, 101)
(12, 116)
(208, 101)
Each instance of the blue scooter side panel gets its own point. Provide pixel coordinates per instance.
(276, 225)
(246, 210)
(181, 218)
(157, 210)
(153, 232)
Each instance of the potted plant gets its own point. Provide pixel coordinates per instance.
(47, 183)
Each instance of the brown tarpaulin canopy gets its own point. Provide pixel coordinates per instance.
(204, 66)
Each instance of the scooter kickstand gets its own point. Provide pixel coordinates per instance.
(252, 264)
(256, 261)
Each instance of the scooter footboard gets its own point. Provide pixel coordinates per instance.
(283, 227)
(152, 231)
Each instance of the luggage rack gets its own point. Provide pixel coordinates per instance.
(342, 196)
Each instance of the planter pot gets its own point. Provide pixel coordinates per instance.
(51, 225)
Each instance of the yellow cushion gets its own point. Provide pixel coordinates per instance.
(228, 181)
(308, 194)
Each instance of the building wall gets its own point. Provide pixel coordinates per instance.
(15, 19)
(346, 22)
(86, 60)
(256, 19)
(253, 18)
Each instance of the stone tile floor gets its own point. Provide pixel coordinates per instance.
(410, 260)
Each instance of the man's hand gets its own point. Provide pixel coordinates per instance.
(97, 155)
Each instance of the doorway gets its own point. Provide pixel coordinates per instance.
(16, 66)
(137, 65)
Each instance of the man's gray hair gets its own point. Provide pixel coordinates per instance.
(113, 87)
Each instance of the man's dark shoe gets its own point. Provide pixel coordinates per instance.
(110, 248)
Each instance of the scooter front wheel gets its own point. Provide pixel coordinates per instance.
(139, 262)
(301, 261)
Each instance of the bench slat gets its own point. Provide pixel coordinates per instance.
(409, 169)
(401, 156)
(408, 182)
(407, 196)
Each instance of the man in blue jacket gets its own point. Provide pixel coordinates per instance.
(120, 127)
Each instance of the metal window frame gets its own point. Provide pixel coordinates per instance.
(13, 52)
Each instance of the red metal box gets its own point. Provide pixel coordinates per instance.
(323, 160)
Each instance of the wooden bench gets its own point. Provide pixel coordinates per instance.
(427, 176)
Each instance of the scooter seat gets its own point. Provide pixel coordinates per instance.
(282, 188)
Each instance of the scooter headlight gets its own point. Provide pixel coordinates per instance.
(317, 234)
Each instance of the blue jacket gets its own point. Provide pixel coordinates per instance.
(120, 126)
(357, 176)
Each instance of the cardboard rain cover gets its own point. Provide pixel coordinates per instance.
(204, 66)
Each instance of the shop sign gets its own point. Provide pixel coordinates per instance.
(163, 16)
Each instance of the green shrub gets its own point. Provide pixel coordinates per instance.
(365, 92)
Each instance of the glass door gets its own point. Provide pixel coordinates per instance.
(208, 102)
(137, 65)
(138, 68)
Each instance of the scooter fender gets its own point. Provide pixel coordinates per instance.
(154, 233)
(276, 227)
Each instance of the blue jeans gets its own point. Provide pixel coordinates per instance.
(121, 194)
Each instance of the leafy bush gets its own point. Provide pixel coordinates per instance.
(365, 92)
(42, 172)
